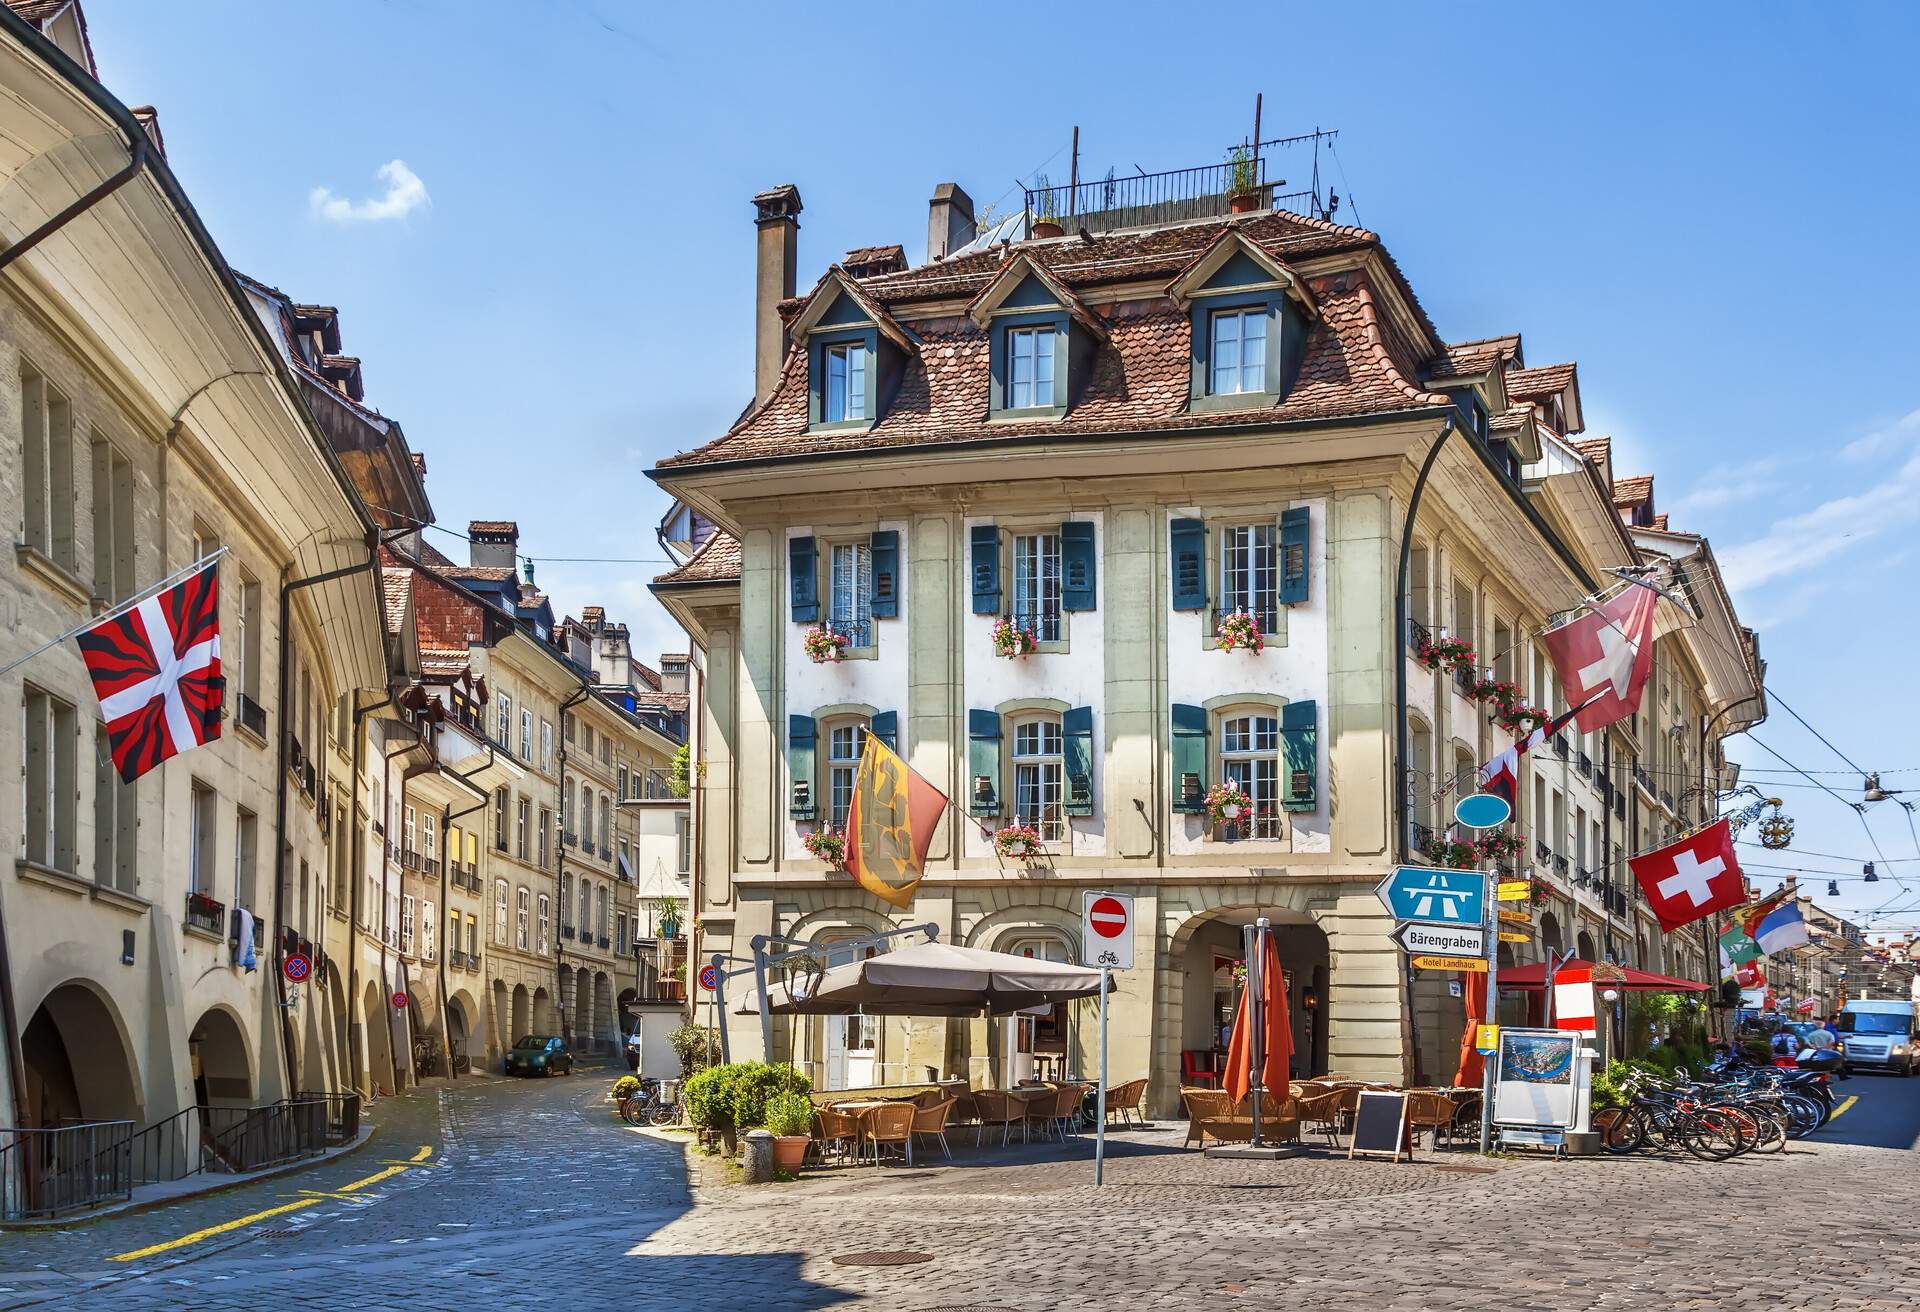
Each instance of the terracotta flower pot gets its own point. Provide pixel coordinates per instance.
(790, 1151)
(1048, 228)
(1244, 202)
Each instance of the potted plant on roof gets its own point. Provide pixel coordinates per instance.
(666, 912)
(1243, 187)
(790, 1120)
(1046, 216)
(822, 644)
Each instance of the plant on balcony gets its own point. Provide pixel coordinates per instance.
(1445, 653)
(829, 846)
(1520, 718)
(1540, 892)
(1453, 854)
(1046, 217)
(1019, 842)
(666, 913)
(1243, 182)
(1011, 639)
(1239, 629)
(1499, 845)
(1225, 804)
(1503, 693)
(822, 644)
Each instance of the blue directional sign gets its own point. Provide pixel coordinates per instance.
(1438, 897)
(1482, 810)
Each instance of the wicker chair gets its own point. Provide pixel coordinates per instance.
(1041, 1101)
(931, 1122)
(1203, 1106)
(891, 1126)
(838, 1133)
(1066, 1107)
(1324, 1111)
(1125, 1100)
(1280, 1118)
(1431, 1111)
(995, 1107)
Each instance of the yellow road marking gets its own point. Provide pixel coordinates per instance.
(1852, 1098)
(227, 1227)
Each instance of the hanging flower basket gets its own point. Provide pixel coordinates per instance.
(1226, 803)
(822, 644)
(1019, 842)
(1011, 640)
(1503, 693)
(1445, 653)
(1449, 853)
(828, 846)
(1499, 845)
(1520, 719)
(1237, 630)
(1539, 893)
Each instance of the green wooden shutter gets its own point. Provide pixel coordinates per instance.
(1076, 565)
(1299, 728)
(986, 569)
(1189, 564)
(800, 735)
(803, 579)
(1293, 556)
(983, 763)
(886, 727)
(1076, 732)
(1189, 757)
(886, 574)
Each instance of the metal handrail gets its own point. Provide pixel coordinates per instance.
(50, 1171)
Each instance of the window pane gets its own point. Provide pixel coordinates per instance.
(1253, 351)
(856, 358)
(1225, 355)
(1020, 377)
(1036, 584)
(1043, 366)
(836, 403)
(851, 605)
(1248, 572)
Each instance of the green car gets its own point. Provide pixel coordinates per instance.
(540, 1054)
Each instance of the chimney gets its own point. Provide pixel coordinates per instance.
(777, 216)
(949, 221)
(495, 543)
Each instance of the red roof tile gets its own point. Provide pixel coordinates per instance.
(1632, 491)
(395, 585)
(1547, 380)
(1597, 449)
(1465, 359)
(717, 561)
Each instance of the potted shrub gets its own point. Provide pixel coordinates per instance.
(823, 645)
(1046, 219)
(666, 911)
(1010, 639)
(624, 1088)
(828, 846)
(1450, 853)
(790, 1118)
(1243, 187)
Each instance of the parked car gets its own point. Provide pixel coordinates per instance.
(1878, 1034)
(633, 1050)
(540, 1054)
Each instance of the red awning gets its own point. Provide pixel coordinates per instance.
(1531, 979)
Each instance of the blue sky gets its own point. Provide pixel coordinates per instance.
(1701, 204)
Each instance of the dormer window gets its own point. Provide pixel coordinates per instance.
(846, 394)
(1250, 316)
(1030, 367)
(855, 354)
(1043, 337)
(1238, 358)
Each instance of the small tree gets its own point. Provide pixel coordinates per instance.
(696, 1049)
(679, 779)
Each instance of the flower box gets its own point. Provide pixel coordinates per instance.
(1011, 639)
(1224, 805)
(1445, 653)
(1237, 630)
(829, 846)
(822, 644)
(1019, 842)
(1450, 853)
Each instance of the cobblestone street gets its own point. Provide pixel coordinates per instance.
(512, 1206)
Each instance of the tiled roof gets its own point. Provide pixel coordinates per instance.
(1355, 362)
(1597, 449)
(1632, 491)
(666, 701)
(1547, 380)
(395, 584)
(484, 573)
(717, 561)
(1464, 359)
(1514, 417)
(493, 526)
(443, 664)
(865, 260)
(1660, 521)
(37, 11)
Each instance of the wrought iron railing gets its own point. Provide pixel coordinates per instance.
(240, 1139)
(53, 1171)
(1104, 204)
(205, 913)
(1418, 636)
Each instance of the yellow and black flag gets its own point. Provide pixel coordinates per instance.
(890, 824)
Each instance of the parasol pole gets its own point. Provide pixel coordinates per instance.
(1257, 1018)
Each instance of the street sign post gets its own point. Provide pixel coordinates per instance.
(1107, 930)
(1514, 936)
(1516, 917)
(709, 978)
(297, 967)
(399, 1001)
(1441, 940)
(1468, 965)
(1513, 890)
(1435, 896)
(1483, 810)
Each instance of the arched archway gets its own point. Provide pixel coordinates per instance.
(1583, 946)
(1550, 938)
(522, 1014)
(222, 1066)
(570, 1010)
(379, 1030)
(342, 1058)
(603, 1033)
(543, 1017)
(461, 1037)
(627, 1011)
(78, 1063)
(502, 1018)
(1210, 947)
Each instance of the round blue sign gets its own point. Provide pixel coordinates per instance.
(1483, 811)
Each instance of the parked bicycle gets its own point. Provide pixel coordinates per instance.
(655, 1102)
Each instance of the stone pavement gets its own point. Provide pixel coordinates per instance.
(535, 1195)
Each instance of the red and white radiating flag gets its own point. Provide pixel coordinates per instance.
(1501, 775)
(1603, 656)
(1692, 877)
(156, 670)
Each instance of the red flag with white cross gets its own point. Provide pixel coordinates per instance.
(156, 671)
(1692, 877)
(1603, 657)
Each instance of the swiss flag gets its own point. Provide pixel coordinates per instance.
(1692, 878)
(1603, 657)
(156, 671)
(1750, 975)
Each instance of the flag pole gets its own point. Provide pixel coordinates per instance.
(116, 612)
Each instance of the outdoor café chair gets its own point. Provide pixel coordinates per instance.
(1196, 1068)
(1066, 1108)
(931, 1122)
(1203, 1106)
(1280, 1118)
(891, 1126)
(1043, 1101)
(1323, 1111)
(997, 1107)
(839, 1134)
(1124, 1100)
(1432, 1111)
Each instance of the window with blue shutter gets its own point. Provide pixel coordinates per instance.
(983, 763)
(800, 736)
(986, 569)
(886, 727)
(1293, 556)
(1188, 563)
(803, 580)
(1189, 758)
(1299, 729)
(1076, 565)
(886, 574)
(1076, 730)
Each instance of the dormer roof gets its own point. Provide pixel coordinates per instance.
(1018, 270)
(1546, 383)
(1232, 241)
(836, 283)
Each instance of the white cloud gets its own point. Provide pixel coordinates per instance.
(1726, 485)
(1885, 439)
(405, 194)
(1799, 542)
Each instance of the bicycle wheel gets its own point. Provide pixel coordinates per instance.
(1627, 1133)
(1707, 1135)
(631, 1111)
(1804, 1115)
(666, 1114)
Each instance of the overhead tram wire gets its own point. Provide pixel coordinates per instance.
(539, 560)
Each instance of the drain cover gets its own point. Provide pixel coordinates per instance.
(882, 1257)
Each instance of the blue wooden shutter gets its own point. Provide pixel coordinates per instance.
(1076, 732)
(1293, 556)
(803, 579)
(800, 735)
(986, 570)
(886, 727)
(886, 574)
(1189, 757)
(1299, 723)
(983, 763)
(1189, 564)
(1076, 565)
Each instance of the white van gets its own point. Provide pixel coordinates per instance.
(1879, 1035)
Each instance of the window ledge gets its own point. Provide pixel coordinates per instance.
(843, 426)
(1029, 415)
(113, 897)
(242, 731)
(1217, 403)
(53, 877)
(57, 576)
(210, 936)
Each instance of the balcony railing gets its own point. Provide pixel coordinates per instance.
(410, 858)
(251, 715)
(604, 942)
(1541, 852)
(1586, 764)
(1418, 636)
(1560, 864)
(205, 913)
(1105, 204)
(430, 865)
(1560, 745)
(1463, 681)
(566, 932)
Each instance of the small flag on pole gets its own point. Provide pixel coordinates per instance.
(156, 670)
(890, 824)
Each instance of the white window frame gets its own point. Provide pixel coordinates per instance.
(526, 735)
(1040, 776)
(852, 359)
(546, 923)
(500, 900)
(1036, 585)
(1031, 392)
(1250, 572)
(1250, 740)
(1241, 375)
(523, 912)
(846, 740)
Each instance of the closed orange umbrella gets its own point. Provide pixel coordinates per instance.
(1276, 1032)
(1472, 1064)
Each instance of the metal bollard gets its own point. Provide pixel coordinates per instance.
(756, 1164)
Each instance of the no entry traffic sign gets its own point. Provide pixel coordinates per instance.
(297, 967)
(1108, 930)
(399, 1001)
(709, 977)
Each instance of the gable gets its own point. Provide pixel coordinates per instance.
(1240, 270)
(1031, 293)
(842, 310)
